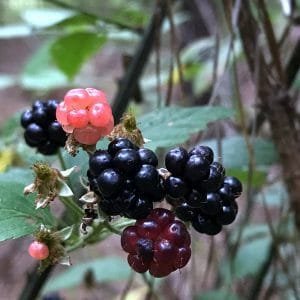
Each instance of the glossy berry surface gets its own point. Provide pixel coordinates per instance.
(176, 187)
(175, 161)
(196, 168)
(158, 243)
(42, 131)
(86, 114)
(38, 250)
(125, 186)
(234, 184)
(203, 151)
(212, 204)
(204, 224)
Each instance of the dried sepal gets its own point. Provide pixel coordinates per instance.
(127, 128)
(48, 184)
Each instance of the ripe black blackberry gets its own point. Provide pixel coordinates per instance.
(125, 178)
(199, 190)
(42, 131)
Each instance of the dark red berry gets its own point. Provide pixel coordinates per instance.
(162, 216)
(148, 228)
(163, 251)
(137, 263)
(159, 270)
(183, 257)
(177, 234)
(175, 161)
(129, 239)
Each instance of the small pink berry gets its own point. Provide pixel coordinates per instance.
(78, 118)
(67, 128)
(62, 113)
(109, 127)
(89, 135)
(77, 99)
(38, 250)
(99, 114)
(97, 96)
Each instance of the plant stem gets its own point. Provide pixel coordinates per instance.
(72, 207)
(61, 160)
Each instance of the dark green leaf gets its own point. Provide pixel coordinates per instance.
(217, 295)
(235, 153)
(258, 177)
(18, 216)
(71, 51)
(170, 126)
(103, 270)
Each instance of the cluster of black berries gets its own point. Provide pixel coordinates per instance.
(199, 190)
(41, 128)
(126, 179)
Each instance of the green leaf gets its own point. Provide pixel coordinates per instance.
(217, 295)
(71, 51)
(18, 216)
(104, 270)
(258, 176)
(39, 73)
(170, 126)
(235, 153)
(273, 195)
(248, 260)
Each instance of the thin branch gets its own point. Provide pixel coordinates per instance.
(138, 63)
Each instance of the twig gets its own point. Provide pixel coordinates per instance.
(138, 63)
(128, 286)
(35, 283)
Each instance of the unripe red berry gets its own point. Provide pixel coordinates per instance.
(38, 250)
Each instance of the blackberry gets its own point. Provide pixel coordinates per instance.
(207, 225)
(195, 198)
(185, 212)
(203, 151)
(118, 144)
(212, 205)
(234, 184)
(196, 168)
(157, 243)
(215, 178)
(42, 131)
(175, 187)
(175, 161)
(125, 179)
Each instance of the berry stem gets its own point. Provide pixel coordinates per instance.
(61, 159)
(111, 228)
(72, 207)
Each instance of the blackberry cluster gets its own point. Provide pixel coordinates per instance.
(158, 243)
(199, 190)
(126, 179)
(42, 131)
